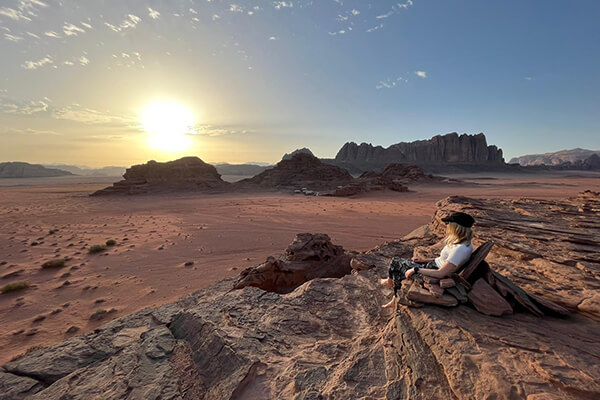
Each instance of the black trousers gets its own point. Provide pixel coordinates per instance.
(399, 266)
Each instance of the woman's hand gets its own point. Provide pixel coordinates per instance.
(409, 273)
(419, 260)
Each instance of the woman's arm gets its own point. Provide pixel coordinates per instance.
(446, 270)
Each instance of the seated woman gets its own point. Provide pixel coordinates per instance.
(458, 250)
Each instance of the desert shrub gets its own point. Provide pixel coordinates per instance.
(111, 242)
(52, 231)
(97, 248)
(34, 243)
(54, 264)
(13, 287)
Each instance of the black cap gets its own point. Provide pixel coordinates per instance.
(460, 218)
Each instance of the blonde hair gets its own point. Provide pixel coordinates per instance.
(456, 234)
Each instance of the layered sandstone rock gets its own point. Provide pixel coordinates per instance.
(329, 337)
(303, 170)
(439, 150)
(309, 256)
(185, 174)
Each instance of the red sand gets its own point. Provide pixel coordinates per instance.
(156, 235)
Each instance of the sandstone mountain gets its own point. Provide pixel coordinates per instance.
(439, 150)
(185, 174)
(289, 156)
(303, 170)
(555, 158)
(26, 170)
(328, 338)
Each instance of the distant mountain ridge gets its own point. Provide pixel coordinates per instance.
(26, 170)
(554, 158)
(87, 171)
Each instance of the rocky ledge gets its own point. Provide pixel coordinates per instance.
(328, 338)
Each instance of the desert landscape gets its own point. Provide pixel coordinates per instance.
(171, 245)
(303, 200)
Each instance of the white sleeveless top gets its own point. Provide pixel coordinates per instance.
(457, 254)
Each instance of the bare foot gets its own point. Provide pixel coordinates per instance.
(387, 282)
(391, 304)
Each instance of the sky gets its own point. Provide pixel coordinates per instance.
(91, 82)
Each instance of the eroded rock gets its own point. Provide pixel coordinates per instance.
(308, 257)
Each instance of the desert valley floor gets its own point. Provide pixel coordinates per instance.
(157, 235)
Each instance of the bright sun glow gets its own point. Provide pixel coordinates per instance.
(168, 126)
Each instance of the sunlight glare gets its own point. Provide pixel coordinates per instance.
(168, 125)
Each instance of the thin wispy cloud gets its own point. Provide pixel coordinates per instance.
(12, 38)
(38, 64)
(282, 4)
(153, 13)
(53, 34)
(26, 9)
(72, 30)
(128, 23)
(390, 83)
(373, 29)
(386, 15)
(421, 74)
(24, 108)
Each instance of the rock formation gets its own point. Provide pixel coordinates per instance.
(555, 158)
(26, 170)
(301, 171)
(329, 337)
(305, 150)
(394, 177)
(185, 174)
(439, 150)
(308, 257)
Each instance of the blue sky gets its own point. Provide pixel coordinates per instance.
(265, 77)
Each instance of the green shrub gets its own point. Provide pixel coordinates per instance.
(97, 248)
(13, 287)
(53, 264)
(111, 242)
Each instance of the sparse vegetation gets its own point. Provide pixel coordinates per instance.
(15, 286)
(97, 248)
(52, 231)
(53, 264)
(34, 243)
(111, 242)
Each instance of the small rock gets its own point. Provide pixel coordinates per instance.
(72, 329)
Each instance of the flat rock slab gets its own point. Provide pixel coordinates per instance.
(487, 301)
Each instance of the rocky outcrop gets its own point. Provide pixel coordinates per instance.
(309, 256)
(394, 177)
(555, 158)
(441, 149)
(26, 170)
(289, 156)
(303, 170)
(185, 174)
(329, 337)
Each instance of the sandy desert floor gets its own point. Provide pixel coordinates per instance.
(156, 235)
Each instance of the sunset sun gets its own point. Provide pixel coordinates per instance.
(168, 126)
